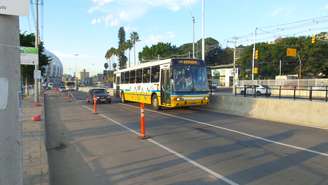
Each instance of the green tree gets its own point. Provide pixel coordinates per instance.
(134, 37)
(121, 48)
(162, 50)
(110, 53)
(214, 54)
(120, 51)
(314, 58)
(129, 46)
(28, 40)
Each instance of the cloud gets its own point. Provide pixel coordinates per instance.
(115, 12)
(155, 38)
(101, 2)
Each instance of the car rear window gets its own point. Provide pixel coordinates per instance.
(99, 91)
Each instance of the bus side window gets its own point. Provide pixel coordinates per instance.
(122, 78)
(139, 76)
(126, 79)
(155, 74)
(146, 75)
(132, 77)
(118, 80)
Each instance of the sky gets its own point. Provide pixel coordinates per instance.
(79, 32)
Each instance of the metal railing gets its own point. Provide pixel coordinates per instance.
(290, 82)
(286, 91)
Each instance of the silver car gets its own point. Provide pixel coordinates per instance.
(257, 90)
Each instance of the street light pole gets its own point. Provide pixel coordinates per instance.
(234, 64)
(36, 66)
(280, 68)
(193, 37)
(203, 30)
(254, 48)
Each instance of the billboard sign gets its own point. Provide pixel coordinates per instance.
(291, 52)
(29, 55)
(14, 7)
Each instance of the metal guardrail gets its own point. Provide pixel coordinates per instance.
(292, 92)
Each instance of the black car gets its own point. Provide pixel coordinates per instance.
(101, 95)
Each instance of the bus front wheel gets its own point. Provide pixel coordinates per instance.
(154, 102)
(122, 98)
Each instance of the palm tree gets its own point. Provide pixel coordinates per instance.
(134, 37)
(110, 53)
(129, 46)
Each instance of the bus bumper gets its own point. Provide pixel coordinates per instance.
(189, 101)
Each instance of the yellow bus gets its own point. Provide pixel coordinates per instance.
(164, 83)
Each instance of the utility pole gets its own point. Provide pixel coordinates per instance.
(254, 48)
(234, 64)
(37, 42)
(203, 30)
(280, 67)
(300, 68)
(193, 37)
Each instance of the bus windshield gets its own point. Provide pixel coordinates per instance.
(190, 78)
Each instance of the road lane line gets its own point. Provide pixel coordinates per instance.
(236, 131)
(218, 176)
(179, 155)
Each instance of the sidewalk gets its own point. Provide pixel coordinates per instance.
(35, 163)
(87, 149)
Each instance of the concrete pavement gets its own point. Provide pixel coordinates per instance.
(187, 146)
(85, 148)
(35, 162)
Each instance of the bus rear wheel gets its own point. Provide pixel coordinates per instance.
(122, 98)
(154, 102)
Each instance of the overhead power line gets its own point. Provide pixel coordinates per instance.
(270, 33)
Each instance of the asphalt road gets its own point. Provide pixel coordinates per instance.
(230, 149)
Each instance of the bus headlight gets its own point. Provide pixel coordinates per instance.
(179, 99)
(205, 98)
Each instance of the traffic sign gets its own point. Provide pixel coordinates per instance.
(14, 7)
(291, 52)
(37, 74)
(29, 55)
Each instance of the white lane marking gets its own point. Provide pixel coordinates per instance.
(215, 174)
(218, 176)
(238, 132)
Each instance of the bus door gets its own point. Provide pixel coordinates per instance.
(118, 81)
(165, 86)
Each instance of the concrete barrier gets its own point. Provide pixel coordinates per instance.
(299, 112)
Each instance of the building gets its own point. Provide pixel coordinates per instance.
(222, 75)
(84, 77)
(54, 70)
(67, 77)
